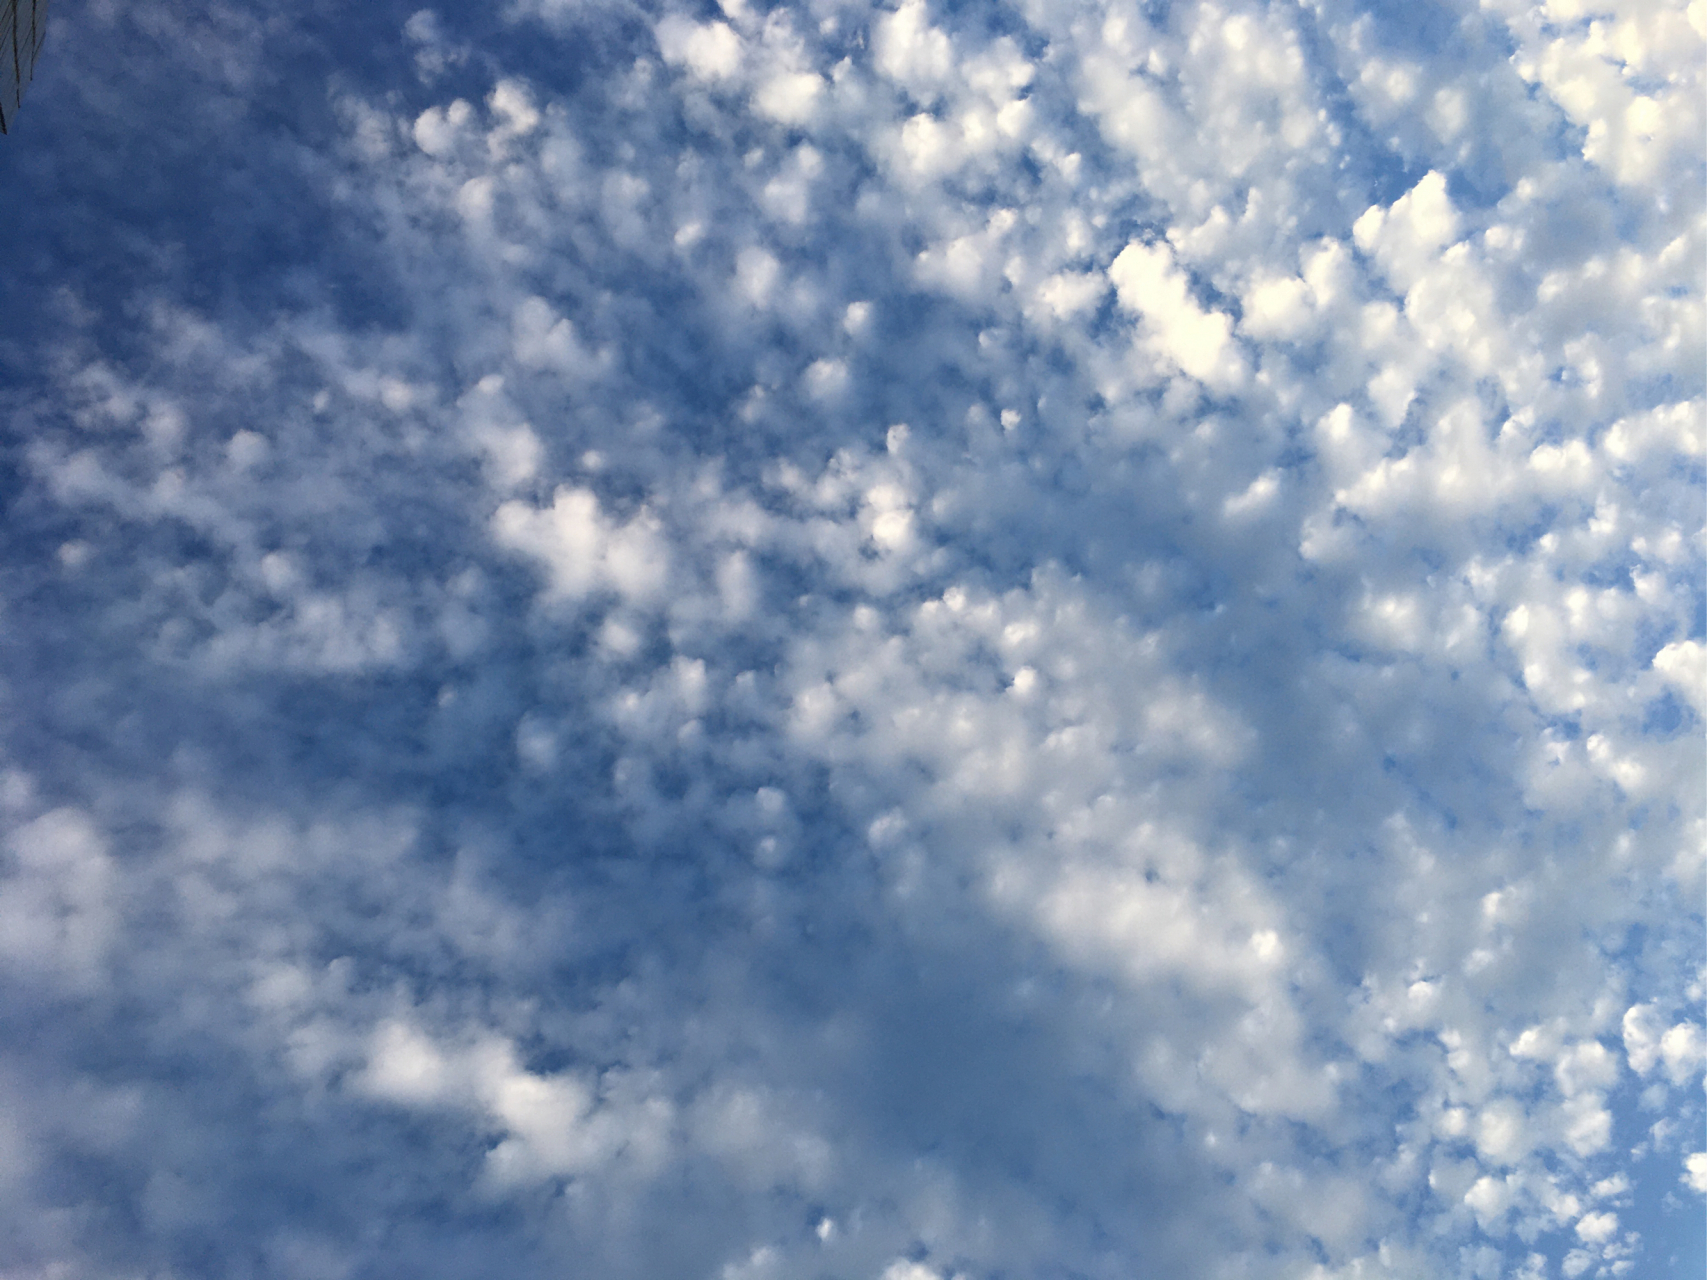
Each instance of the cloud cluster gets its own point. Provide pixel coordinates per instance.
(904, 643)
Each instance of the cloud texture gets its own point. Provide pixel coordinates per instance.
(1035, 640)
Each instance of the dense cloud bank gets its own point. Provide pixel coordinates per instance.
(1054, 640)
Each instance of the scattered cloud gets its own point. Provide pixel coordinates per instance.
(913, 643)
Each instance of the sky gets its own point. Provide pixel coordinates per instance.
(1053, 640)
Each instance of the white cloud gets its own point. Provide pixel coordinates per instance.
(1684, 664)
(1200, 342)
(912, 51)
(1597, 1228)
(56, 901)
(857, 640)
(1695, 1172)
(710, 50)
(582, 549)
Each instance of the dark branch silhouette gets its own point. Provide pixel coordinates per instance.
(23, 27)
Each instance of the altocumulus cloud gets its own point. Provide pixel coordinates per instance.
(942, 641)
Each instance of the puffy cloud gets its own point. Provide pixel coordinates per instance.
(58, 907)
(1695, 1172)
(710, 50)
(1149, 284)
(910, 50)
(582, 550)
(903, 642)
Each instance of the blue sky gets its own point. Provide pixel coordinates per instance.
(903, 643)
